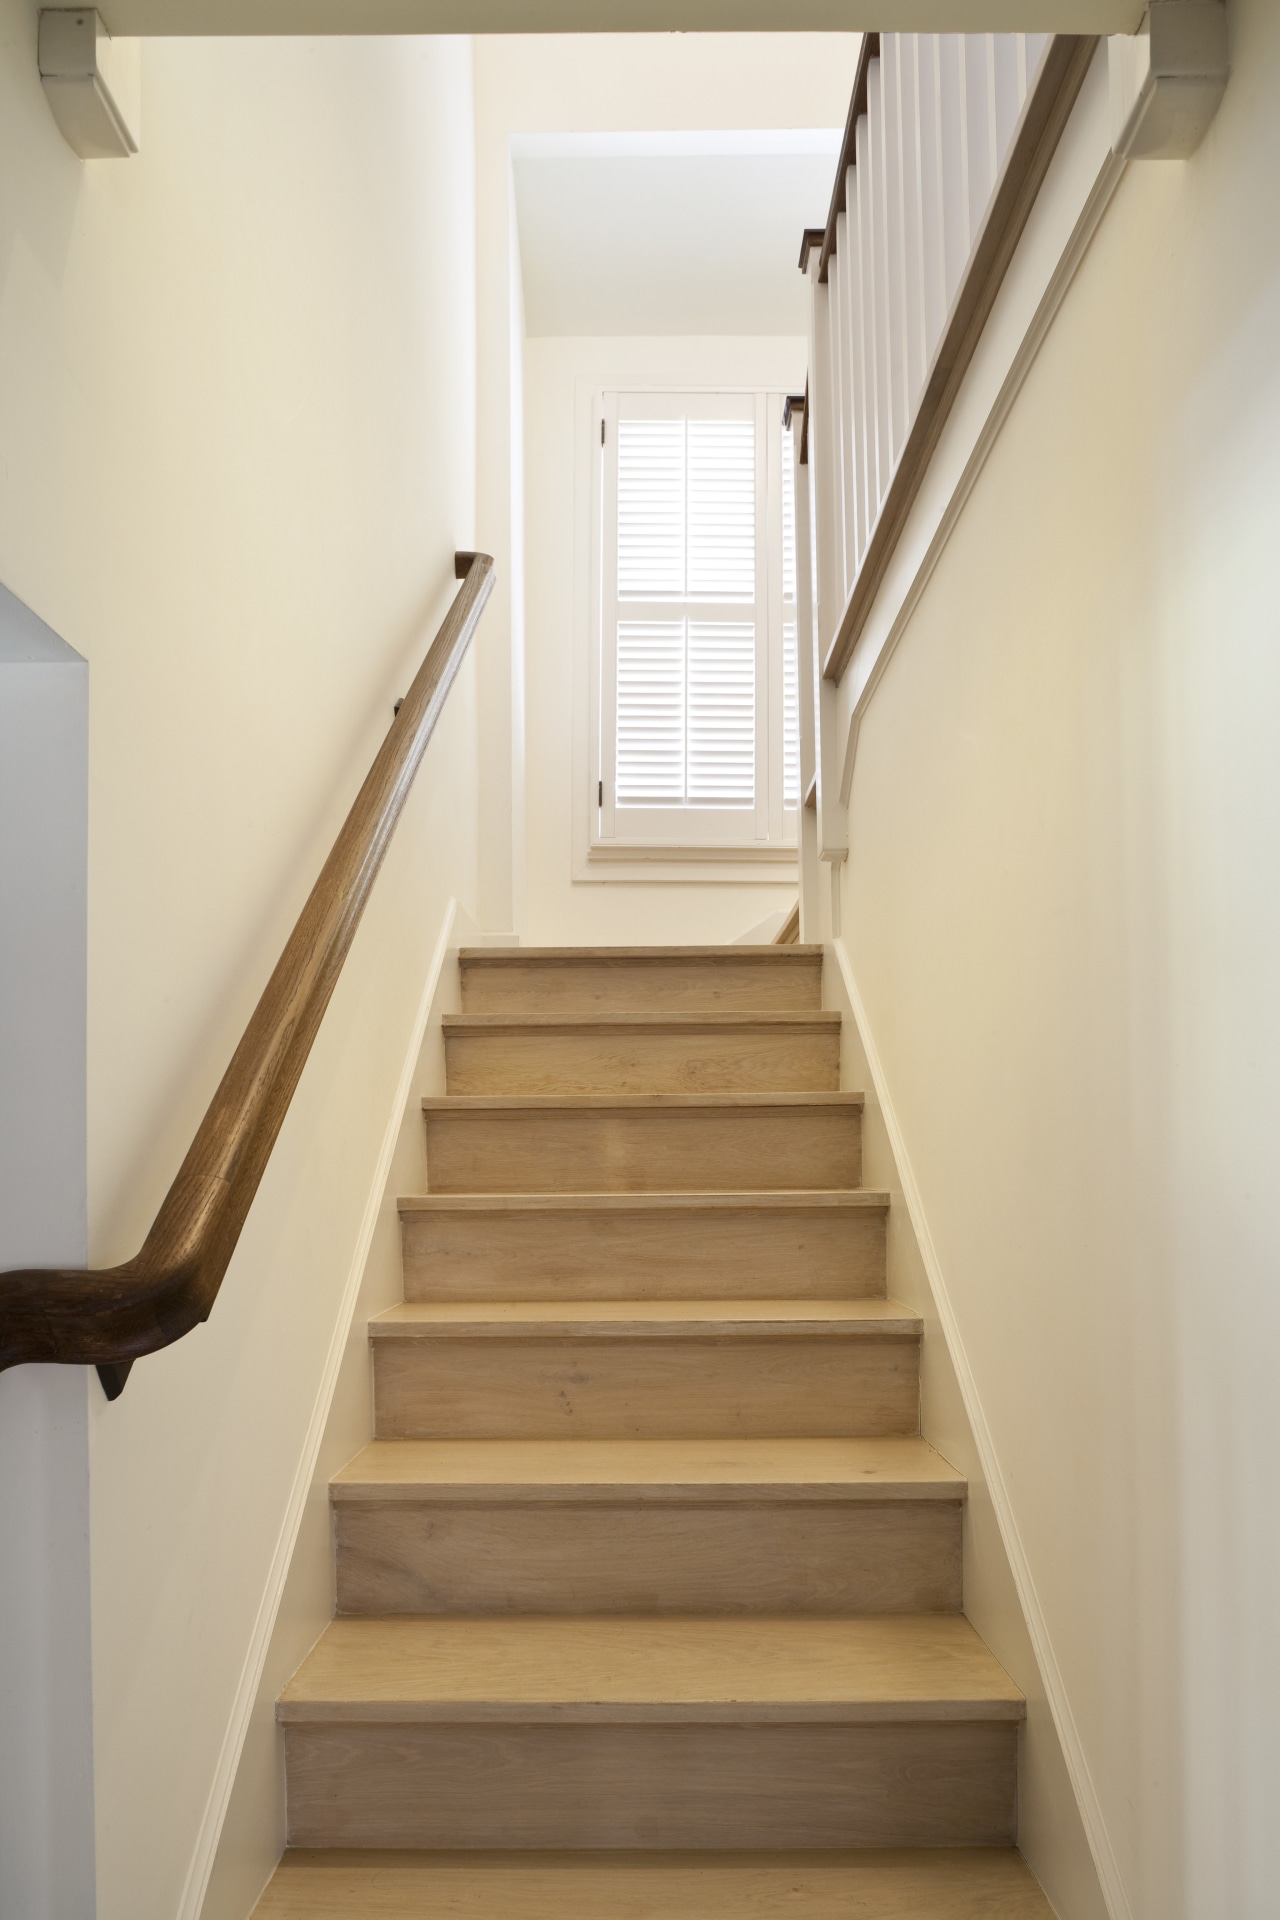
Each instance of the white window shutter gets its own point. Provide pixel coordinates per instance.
(650, 762)
(685, 686)
(651, 509)
(790, 717)
(721, 704)
(722, 510)
(698, 734)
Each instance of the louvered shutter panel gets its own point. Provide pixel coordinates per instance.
(721, 703)
(685, 686)
(650, 764)
(651, 509)
(722, 510)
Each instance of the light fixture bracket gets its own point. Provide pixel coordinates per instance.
(93, 83)
(1168, 79)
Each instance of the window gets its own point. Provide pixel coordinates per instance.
(697, 728)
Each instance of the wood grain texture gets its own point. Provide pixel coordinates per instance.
(730, 1785)
(682, 1604)
(1046, 110)
(939, 1884)
(643, 1555)
(109, 1319)
(659, 1246)
(645, 1319)
(684, 1471)
(643, 1142)
(645, 1386)
(761, 1668)
(639, 979)
(782, 1052)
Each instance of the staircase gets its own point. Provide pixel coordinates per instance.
(648, 1589)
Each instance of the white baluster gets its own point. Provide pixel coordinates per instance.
(1009, 90)
(807, 672)
(913, 297)
(867, 327)
(823, 455)
(954, 160)
(880, 269)
(857, 369)
(979, 80)
(895, 239)
(839, 308)
(848, 372)
(932, 205)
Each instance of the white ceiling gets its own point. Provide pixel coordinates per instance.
(669, 233)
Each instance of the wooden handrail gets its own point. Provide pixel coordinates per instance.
(112, 1318)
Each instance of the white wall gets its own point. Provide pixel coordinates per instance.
(569, 84)
(46, 1681)
(690, 232)
(237, 385)
(1051, 1832)
(566, 903)
(253, 1833)
(1061, 914)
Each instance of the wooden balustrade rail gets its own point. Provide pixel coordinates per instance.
(110, 1319)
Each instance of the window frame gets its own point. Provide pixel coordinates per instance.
(769, 831)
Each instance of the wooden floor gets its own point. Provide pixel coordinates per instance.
(648, 1590)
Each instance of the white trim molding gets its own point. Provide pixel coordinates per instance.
(1109, 177)
(215, 1812)
(1086, 1793)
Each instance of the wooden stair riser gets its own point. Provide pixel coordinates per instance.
(732, 981)
(749, 1252)
(754, 1059)
(756, 1386)
(814, 1556)
(642, 1150)
(773, 1784)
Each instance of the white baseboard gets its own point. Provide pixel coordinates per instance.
(1091, 1814)
(206, 1847)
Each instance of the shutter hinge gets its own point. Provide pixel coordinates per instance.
(599, 793)
(602, 433)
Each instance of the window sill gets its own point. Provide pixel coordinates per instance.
(748, 865)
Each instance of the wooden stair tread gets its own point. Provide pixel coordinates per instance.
(943, 1883)
(779, 1200)
(735, 1669)
(787, 1018)
(671, 1471)
(647, 1319)
(592, 956)
(456, 1103)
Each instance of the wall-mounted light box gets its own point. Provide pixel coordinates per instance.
(93, 83)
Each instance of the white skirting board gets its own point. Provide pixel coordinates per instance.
(202, 1860)
(1087, 1799)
